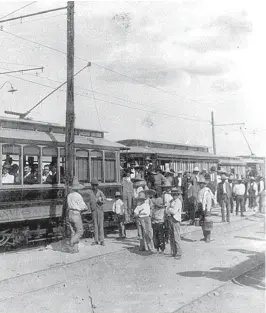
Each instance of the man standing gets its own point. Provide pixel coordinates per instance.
(239, 191)
(178, 181)
(223, 195)
(205, 197)
(128, 195)
(96, 200)
(231, 200)
(253, 192)
(260, 192)
(159, 180)
(75, 205)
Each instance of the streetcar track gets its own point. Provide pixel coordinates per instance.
(194, 301)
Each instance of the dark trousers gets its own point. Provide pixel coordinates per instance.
(252, 201)
(193, 206)
(98, 216)
(158, 236)
(225, 205)
(166, 230)
(231, 201)
(240, 202)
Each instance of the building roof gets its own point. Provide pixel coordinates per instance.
(37, 137)
(133, 141)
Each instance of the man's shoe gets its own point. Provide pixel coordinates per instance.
(102, 243)
(94, 243)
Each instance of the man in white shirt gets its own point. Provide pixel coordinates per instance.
(76, 205)
(260, 192)
(119, 210)
(6, 177)
(174, 211)
(143, 212)
(205, 198)
(239, 191)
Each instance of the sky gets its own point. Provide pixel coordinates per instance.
(158, 69)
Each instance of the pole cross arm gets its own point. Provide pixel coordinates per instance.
(229, 124)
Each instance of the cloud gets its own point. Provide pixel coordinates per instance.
(225, 86)
(206, 67)
(226, 32)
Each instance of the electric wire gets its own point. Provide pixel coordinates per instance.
(117, 104)
(106, 68)
(17, 10)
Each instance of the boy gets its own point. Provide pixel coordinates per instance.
(157, 219)
(119, 210)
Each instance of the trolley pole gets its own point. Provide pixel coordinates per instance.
(70, 112)
(213, 134)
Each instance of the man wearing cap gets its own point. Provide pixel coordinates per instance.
(6, 177)
(239, 190)
(128, 195)
(205, 197)
(96, 200)
(174, 211)
(223, 194)
(119, 210)
(75, 205)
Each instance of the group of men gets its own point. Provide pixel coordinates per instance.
(229, 192)
(11, 174)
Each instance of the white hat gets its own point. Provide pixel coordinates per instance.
(76, 185)
(196, 169)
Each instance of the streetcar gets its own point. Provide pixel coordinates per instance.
(32, 189)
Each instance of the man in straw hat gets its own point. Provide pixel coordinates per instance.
(174, 211)
(128, 195)
(142, 213)
(75, 205)
(224, 193)
(96, 200)
(205, 198)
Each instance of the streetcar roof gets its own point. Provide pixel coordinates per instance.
(38, 137)
(14, 122)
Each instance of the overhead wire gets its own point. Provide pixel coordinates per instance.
(42, 18)
(106, 68)
(117, 104)
(100, 93)
(17, 10)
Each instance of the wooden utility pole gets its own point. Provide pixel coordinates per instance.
(70, 112)
(213, 134)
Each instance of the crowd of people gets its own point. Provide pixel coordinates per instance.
(158, 201)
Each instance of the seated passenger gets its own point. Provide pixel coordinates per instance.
(27, 171)
(51, 178)
(15, 172)
(6, 177)
(32, 178)
(45, 172)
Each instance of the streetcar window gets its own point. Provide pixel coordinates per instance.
(49, 165)
(97, 165)
(110, 167)
(11, 156)
(82, 165)
(31, 165)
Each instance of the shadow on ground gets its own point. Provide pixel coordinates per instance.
(227, 273)
(251, 238)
